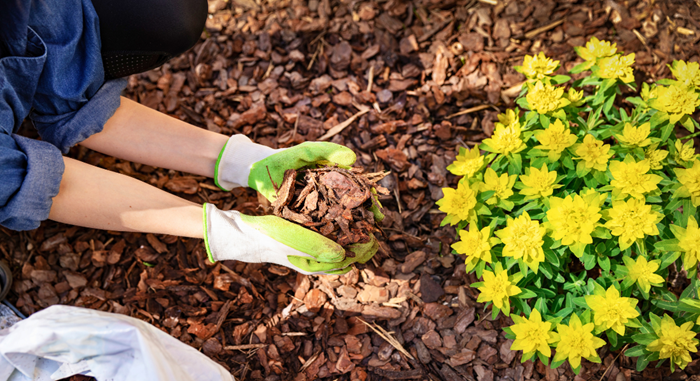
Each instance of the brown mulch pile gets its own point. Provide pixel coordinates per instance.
(403, 84)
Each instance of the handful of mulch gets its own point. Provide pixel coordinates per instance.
(341, 204)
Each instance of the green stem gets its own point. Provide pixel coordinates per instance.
(691, 135)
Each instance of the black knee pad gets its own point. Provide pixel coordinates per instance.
(140, 35)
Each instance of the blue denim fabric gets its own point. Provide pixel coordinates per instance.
(50, 70)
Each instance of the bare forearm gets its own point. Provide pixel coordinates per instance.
(143, 135)
(96, 198)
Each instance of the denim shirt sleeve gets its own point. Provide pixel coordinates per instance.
(50, 64)
(30, 171)
(71, 102)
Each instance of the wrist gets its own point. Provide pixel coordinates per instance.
(235, 161)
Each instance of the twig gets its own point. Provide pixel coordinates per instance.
(414, 374)
(439, 27)
(491, 2)
(613, 362)
(274, 185)
(537, 31)
(244, 347)
(309, 361)
(468, 111)
(296, 124)
(340, 127)
(389, 339)
(370, 80)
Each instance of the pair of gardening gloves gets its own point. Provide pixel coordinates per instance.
(230, 235)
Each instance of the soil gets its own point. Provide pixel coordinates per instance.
(403, 84)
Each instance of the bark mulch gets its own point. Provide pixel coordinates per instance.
(403, 84)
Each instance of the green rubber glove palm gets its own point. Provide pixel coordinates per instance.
(244, 163)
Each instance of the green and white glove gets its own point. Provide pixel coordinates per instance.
(230, 235)
(244, 163)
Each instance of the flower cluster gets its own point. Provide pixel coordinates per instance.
(574, 211)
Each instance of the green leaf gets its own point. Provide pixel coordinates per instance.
(483, 196)
(526, 294)
(667, 245)
(546, 270)
(687, 122)
(557, 364)
(541, 305)
(668, 259)
(642, 362)
(559, 79)
(568, 163)
(657, 120)
(643, 339)
(689, 305)
(580, 67)
(612, 337)
(522, 102)
(589, 261)
(665, 305)
(551, 257)
(635, 351)
(543, 358)
(604, 263)
(516, 164)
(564, 312)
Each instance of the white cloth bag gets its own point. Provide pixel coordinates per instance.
(61, 341)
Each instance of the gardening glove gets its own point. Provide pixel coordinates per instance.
(244, 163)
(230, 235)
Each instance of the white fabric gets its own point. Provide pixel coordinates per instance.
(61, 341)
(238, 157)
(229, 238)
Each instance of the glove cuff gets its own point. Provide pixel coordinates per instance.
(235, 161)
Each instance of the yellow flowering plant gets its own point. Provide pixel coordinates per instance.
(579, 206)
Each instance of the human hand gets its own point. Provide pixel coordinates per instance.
(244, 163)
(230, 235)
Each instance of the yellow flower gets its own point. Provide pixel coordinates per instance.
(475, 244)
(505, 139)
(576, 342)
(648, 92)
(523, 239)
(538, 67)
(631, 178)
(539, 182)
(555, 139)
(655, 157)
(458, 203)
(674, 342)
(630, 220)
(545, 98)
(574, 96)
(689, 242)
(635, 136)
(533, 334)
(611, 310)
(617, 67)
(573, 219)
(497, 288)
(675, 100)
(690, 182)
(509, 118)
(642, 272)
(467, 163)
(593, 152)
(684, 152)
(596, 49)
(502, 185)
(687, 73)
